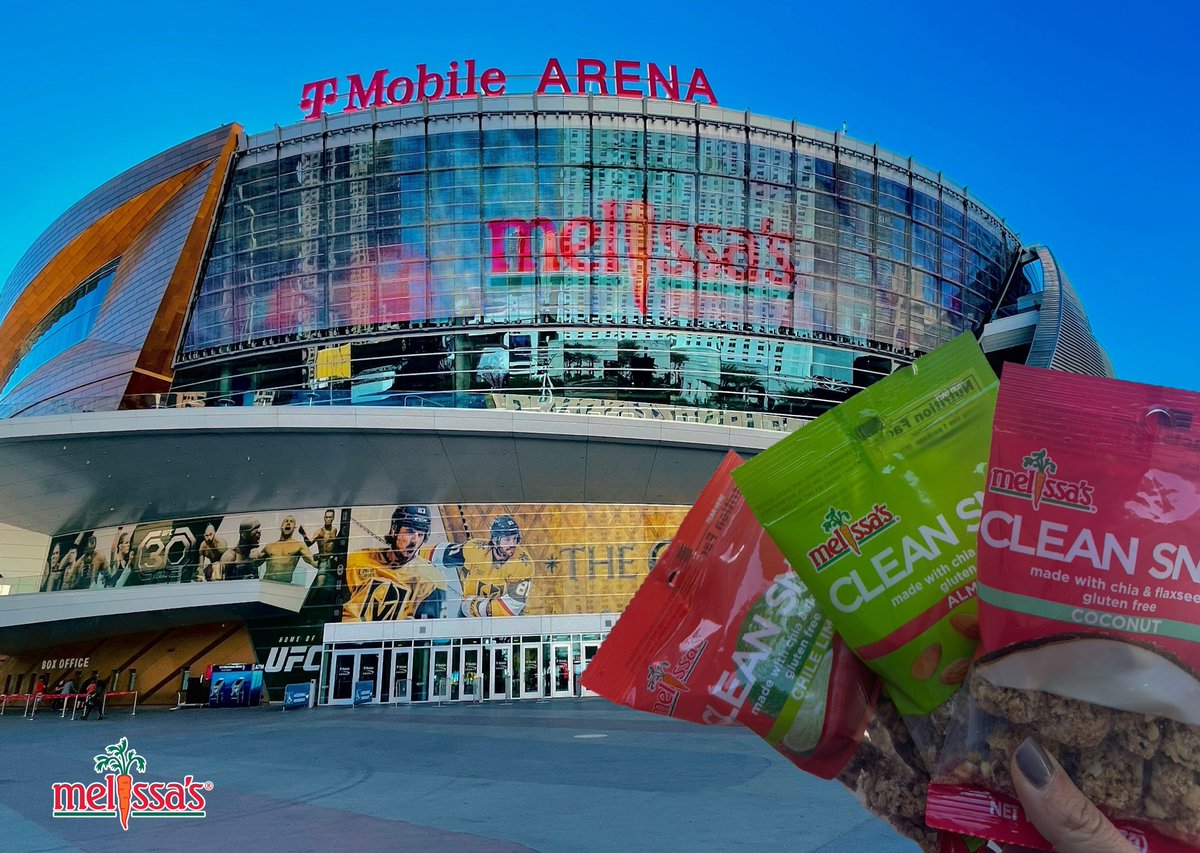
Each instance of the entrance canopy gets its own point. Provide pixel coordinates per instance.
(43, 620)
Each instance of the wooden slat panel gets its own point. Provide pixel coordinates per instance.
(158, 351)
(103, 241)
(158, 656)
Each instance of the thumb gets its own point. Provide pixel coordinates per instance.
(1064, 816)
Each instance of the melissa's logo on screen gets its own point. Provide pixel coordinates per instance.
(623, 79)
(627, 238)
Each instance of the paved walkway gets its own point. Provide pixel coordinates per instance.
(554, 777)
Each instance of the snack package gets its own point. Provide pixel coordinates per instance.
(876, 504)
(1089, 591)
(722, 632)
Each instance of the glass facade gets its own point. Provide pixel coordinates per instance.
(687, 261)
(67, 324)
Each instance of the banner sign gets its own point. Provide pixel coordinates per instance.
(296, 696)
(376, 563)
(380, 563)
(364, 692)
(623, 78)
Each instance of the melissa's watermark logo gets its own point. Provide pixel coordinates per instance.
(846, 536)
(1034, 482)
(666, 681)
(119, 795)
(660, 673)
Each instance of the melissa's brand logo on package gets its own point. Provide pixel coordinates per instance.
(1034, 484)
(846, 536)
(119, 796)
(666, 680)
(1136, 838)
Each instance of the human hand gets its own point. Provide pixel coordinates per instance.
(1064, 816)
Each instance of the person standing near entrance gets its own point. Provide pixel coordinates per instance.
(66, 687)
(395, 582)
(95, 699)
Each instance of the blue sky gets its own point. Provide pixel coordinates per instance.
(1075, 123)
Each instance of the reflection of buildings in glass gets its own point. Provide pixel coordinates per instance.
(700, 376)
(592, 204)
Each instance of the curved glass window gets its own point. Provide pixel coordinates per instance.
(68, 323)
(679, 262)
(590, 220)
(1025, 292)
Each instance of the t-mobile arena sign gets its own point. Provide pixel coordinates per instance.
(624, 79)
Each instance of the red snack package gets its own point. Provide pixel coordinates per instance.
(1089, 586)
(722, 632)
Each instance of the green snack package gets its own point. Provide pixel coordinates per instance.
(876, 505)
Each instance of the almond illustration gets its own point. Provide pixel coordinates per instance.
(927, 662)
(955, 671)
(966, 624)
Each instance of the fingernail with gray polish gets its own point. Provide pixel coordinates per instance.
(1034, 764)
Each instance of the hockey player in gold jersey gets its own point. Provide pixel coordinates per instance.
(395, 582)
(495, 574)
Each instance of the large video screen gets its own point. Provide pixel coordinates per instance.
(614, 221)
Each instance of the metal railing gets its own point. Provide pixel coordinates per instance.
(67, 577)
(748, 408)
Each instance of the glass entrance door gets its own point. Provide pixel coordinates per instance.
(343, 678)
(439, 675)
(589, 652)
(499, 673)
(367, 669)
(401, 679)
(562, 680)
(470, 681)
(531, 675)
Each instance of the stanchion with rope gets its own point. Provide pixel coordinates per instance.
(50, 697)
(72, 699)
(5, 698)
(107, 696)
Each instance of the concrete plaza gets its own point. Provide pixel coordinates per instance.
(553, 777)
